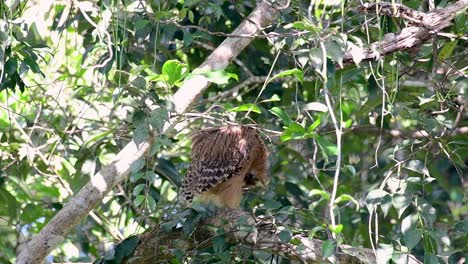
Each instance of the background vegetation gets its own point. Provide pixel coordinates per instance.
(78, 80)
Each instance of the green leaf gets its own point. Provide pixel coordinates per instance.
(412, 238)
(311, 129)
(141, 132)
(294, 131)
(335, 51)
(315, 230)
(137, 190)
(431, 258)
(135, 176)
(326, 146)
(11, 65)
(409, 223)
(33, 65)
(191, 16)
(174, 71)
(88, 143)
(428, 212)
(417, 166)
(137, 165)
(168, 171)
(9, 206)
(151, 203)
(303, 25)
(191, 223)
(401, 202)
(285, 236)
(461, 227)
(346, 197)
(424, 100)
(138, 200)
(274, 98)
(386, 204)
(272, 205)
(124, 249)
(214, 76)
(316, 58)
(299, 74)
(324, 194)
(282, 115)
(188, 38)
(375, 197)
(447, 49)
(169, 225)
(337, 229)
(157, 119)
(247, 108)
(327, 249)
(351, 169)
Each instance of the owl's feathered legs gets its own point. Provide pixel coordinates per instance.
(228, 194)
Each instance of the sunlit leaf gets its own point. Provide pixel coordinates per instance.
(282, 115)
(139, 200)
(447, 49)
(326, 146)
(247, 108)
(375, 197)
(137, 190)
(346, 197)
(215, 76)
(401, 202)
(274, 98)
(325, 195)
(316, 106)
(417, 166)
(299, 74)
(337, 229)
(174, 71)
(384, 253)
(294, 131)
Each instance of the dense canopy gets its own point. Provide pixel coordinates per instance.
(362, 106)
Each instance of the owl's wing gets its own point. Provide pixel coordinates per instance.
(207, 172)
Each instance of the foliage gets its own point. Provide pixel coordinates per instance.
(77, 82)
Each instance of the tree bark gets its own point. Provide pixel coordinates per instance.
(422, 27)
(79, 206)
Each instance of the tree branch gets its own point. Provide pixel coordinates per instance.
(257, 234)
(425, 26)
(55, 231)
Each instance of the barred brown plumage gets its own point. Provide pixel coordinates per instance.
(224, 160)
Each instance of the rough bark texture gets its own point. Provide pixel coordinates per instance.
(157, 245)
(422, 27)
(93, 192)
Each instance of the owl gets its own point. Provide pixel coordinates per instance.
(224, 160)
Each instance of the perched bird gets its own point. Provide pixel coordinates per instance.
(224, 160)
